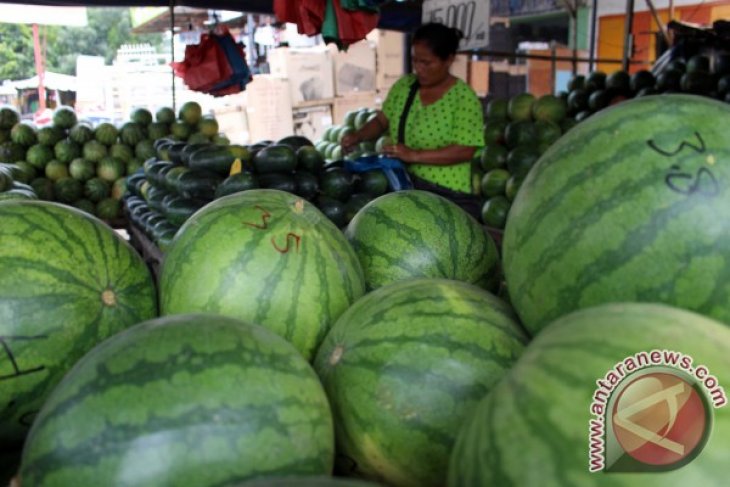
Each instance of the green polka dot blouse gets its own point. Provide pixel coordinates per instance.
(455, 119)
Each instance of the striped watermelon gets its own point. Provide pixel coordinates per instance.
(630, 205)
(67, 282)
(533, 428)
(192, 400)
(310, 481)
(402, 369)
(409, 234)
(265, 256)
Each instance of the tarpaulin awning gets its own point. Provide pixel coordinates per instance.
(52, 81)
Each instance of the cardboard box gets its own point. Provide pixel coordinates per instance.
(355, 69)
(268, 108)
(311, 122)
(390, 57)
(233, 122)
(309, 72)
(479, 77)
(460, 67)
(354, 101)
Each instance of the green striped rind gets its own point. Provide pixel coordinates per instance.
(409, 234)
(223, 261)
(404, 366)
(56, 264)
(532, 429)
(596, 222)
(313, 481)
(193, 400)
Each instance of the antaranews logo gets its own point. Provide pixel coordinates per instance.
(652, 412)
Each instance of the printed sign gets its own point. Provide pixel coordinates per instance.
(469, 16)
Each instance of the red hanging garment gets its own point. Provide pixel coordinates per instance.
(204, 65)
(353, 26)
(287, 11)
(311, 15)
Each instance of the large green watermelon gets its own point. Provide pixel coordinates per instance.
(630, 205)
(404, 366)
(306, 481)
(265, 256)
(67, 282)
(533, 428)
(409, 234)
(191, 400)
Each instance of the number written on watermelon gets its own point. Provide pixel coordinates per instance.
(17, 370)
(290, 237)
(702, 182)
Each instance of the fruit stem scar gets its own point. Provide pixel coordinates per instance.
(109, 298)
(336, 354)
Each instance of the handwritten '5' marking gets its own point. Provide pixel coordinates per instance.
(289, 237)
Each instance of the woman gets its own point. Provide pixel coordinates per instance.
(436, 135)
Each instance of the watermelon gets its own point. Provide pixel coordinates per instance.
(308, 481)
(266, 256)
(134, 408)
(106, 134)
(67, 150)
(81, 133)
(94, 151)
(81, 169)
(533, 427)
(409, 234)
(23, 134)
(131, 133)
(64, 117)
(39, 155)
(627, 206)
(165, 115)
(141, 116)
(9, 116)
(68, 281)
(190, 113)
(404, 366)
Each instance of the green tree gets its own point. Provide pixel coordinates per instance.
(16, 51)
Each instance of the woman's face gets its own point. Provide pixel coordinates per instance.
(428, 67)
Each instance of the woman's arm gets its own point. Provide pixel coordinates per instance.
(370, 131)
(445, 156)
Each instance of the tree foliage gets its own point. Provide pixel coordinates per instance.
(107, 30)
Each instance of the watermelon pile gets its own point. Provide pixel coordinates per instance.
(183, 177)
(696, 75)
(72, 162)
(516, 133)
(291, 353)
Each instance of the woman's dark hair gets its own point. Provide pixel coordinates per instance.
(442, 40)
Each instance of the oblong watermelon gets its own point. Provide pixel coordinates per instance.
(630, 205)
(411, 234)
(404, 366)
(265, 256)
(190, 400)
(533, 427)
(67, 282)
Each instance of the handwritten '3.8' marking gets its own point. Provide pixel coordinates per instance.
(265, 215)
(703, 181)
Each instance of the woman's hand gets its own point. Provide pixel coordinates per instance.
(350, 142)
(402, 152)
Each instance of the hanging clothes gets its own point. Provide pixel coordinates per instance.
(353, 25)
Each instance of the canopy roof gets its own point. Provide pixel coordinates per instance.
(395, 15)
(52, 81)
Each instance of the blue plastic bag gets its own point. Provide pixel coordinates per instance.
(393, 169)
